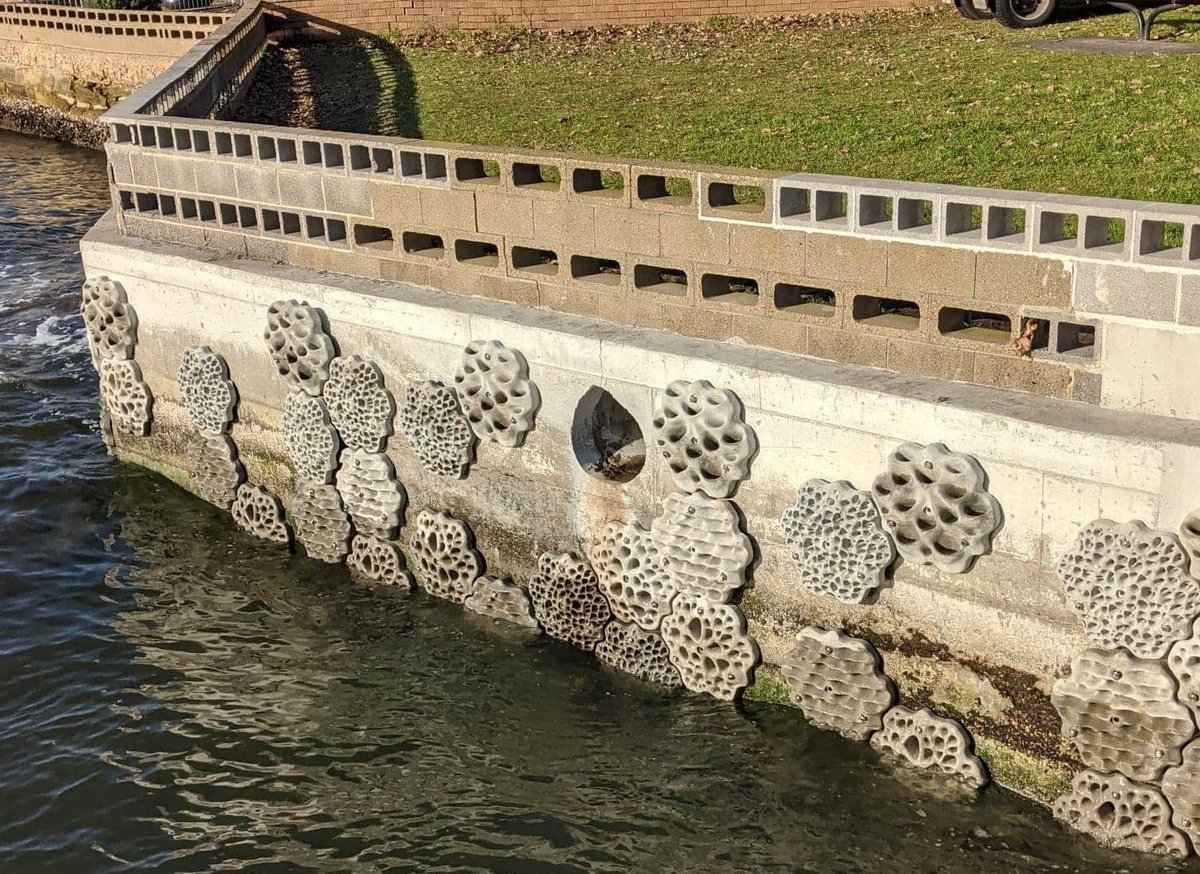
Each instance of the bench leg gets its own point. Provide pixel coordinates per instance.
(1145, 19)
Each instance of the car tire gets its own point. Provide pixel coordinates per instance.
(1021, 14)
(968, 9)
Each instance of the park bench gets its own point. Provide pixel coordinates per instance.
(1020, 14)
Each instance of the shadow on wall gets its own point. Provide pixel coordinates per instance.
(326, 76)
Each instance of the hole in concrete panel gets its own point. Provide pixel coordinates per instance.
(974, 325)
(662, 280)
(266, 149)
(242, 147)
(122, 133)
(270, 221)
(805, 299)
(374, 237)
(1039, 333)
(964, 220)
(435, 166)
(477, 171)
(425, 245)
(183, 139)
(1076, 340)
(736, 198)
(411, 164)
(146, 202)
(607, 439)
(147, 135)
(200, 141)
(886, 312)
(587, 180)
(874, 210)
(832, 208)
(795, 203)
(914, 214)
(166, 205)
(667, 190)
(166, 138)
(540, 177)
(333, 155)
(360, 158)
(383, 161)
(247, 217)
(208, 211)
(291, 224)
(1193, 247)
(286, 150)
(477, 253)
(729, 289)
(1161, 238)
(1104, 233)
(1058, 229)
(532, 260)
(335, 230)
(311, 152)
(187, 208)
(126, 200)
(604, 271)
(1006, 224)
(314, 227)
(228, 214)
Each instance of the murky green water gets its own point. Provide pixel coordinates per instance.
(175, 696)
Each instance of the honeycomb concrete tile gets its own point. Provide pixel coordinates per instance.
(567, 600)
(838, 682)
(936, 506)
(309, 438)
(1122, 714)
(299, 346)
(632, 577)
(436, 429)
(378, 560)
(208, 394)
(924, 740)
(702, 434)
(1189, 536)
(701, 546)
(214, 467)
(639, 652)
(322, 524)
(443, 550)
(258, 512)
(109, 320)
(372, 495)
(503, 600)
(1122, 814)
(1181, 786)
(126, 396)
(497, 396)
(1183, 660)
(710, 646)
(359, 406)
(1130, 587)
(837, 541)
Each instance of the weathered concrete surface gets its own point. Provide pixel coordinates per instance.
(985, 646)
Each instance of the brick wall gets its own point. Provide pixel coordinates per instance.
(409, 15)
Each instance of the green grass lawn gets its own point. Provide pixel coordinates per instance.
(922, 95)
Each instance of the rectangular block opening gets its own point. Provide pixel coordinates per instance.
(530, 260)
(411, 164)
(477, 253)
(314, 227)
(539, 177)
(183, 139)
(242, 147)
(166, 138)
(383, 161)
(187, 208)
(1058, 229)
(291, 224)
(208, 211)
(1104, 233)
(335, 230)
(360, 158)
(915, 215)
(875, 211)
(270, 221)
(831, 208)
(285, 150)
(601, 183)
(1193, 247)
(435, 167)
(1006, 224)
(122, 133)
(1161, 238)
(661, 280)
(311, 152)
(247, 217)
(729, 289)
(266, 148)
(974, 325)
(333, 155)
(146, 202)
(603, 271)
(886, 312)
(477, 171)
(1037, 332)
(795, 203)
(424, 245)
(228, 214)
(200, 141)
(805, 299)
(1076, 340)
(667, 190)
(224, 142)
(964, 220)
(749, 199)
(166, 205)
(374, 237)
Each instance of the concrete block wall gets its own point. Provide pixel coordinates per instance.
(111, 31)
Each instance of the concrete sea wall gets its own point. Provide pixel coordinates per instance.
(854, 441)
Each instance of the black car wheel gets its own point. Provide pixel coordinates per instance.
(969, 9)
(1019, 14)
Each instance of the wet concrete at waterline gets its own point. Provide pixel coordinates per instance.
(175, 696)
